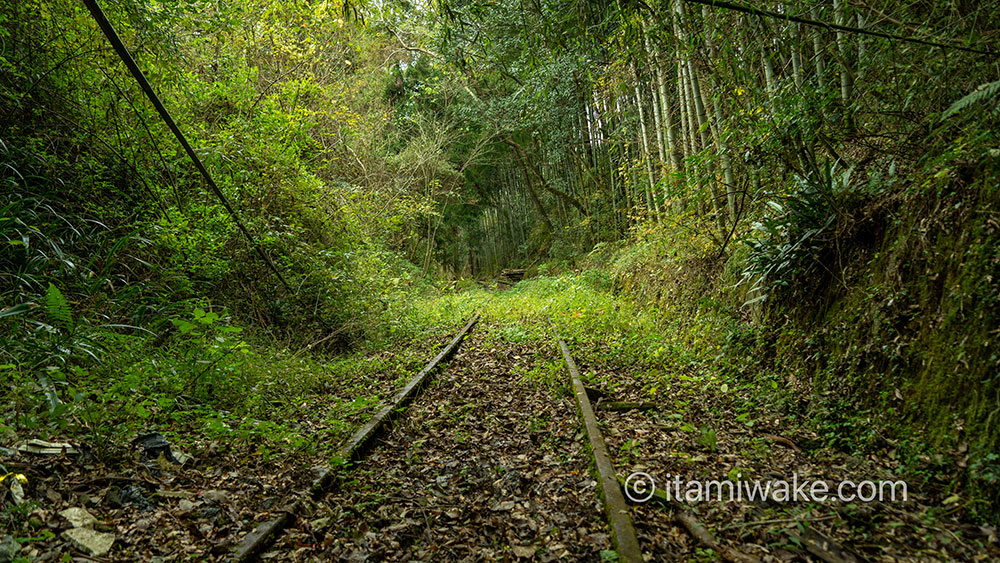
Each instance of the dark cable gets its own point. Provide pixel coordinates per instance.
(814, 23)
(126, 57)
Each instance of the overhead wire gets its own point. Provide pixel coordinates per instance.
(837, 27)
(140, 77)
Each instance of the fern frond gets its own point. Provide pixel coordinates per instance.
(57, 308)
(984, 92)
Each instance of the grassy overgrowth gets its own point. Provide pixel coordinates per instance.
(766, 363)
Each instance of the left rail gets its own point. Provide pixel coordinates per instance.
(355, 448)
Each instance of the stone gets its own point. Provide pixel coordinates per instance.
(217, 496)
(9, 548)
(78, 517)
(90, 542)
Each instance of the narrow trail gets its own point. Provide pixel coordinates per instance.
(485, 465)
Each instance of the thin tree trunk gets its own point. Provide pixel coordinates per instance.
(686, 142)
(769, 84)
(846, 76)
(668, 125)
(650, 202)
(797, 56)
(657, 118)
(700, 117)
(717, 133)
(818, 54)
(861, 49)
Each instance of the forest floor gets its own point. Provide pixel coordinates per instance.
(490, 462)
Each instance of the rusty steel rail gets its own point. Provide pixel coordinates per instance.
(355, 448)
(364, 437)
(622, 530)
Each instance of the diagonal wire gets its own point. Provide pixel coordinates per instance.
(814, 23)
(126, 57)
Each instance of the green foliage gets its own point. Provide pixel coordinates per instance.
(376, 161)
(984, 93)
(57, 308)
(792, 235)
(878, 332)
(707, 438)
(128, 297)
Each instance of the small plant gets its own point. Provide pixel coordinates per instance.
(629, 452)
(707, 439)
(989, 92)
(790, 236)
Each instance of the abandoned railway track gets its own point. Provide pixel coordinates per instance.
(489, 463)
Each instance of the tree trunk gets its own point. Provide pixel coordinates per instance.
(717, 133)
(797, 56)
(532, 194)
(846, 76)
(668, 125)
(650, 202)
(818, 54)
(654, 92)
(769, 84)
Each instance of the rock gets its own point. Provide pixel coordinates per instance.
(220, 497)
(9, 548)
(186, 505)
(90, 542)
(78, 517)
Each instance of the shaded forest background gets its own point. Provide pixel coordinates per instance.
(811, 209)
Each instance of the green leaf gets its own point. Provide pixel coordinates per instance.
(16, 310)
(984, 92)
(57, 308)
(45, 382)
(183, 326)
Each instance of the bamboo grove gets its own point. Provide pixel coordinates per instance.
(622, 118)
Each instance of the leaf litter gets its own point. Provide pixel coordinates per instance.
(488, 464)
(704, 431)
(157, 503)
(483, 466)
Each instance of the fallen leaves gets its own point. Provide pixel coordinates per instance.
(481, 466)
